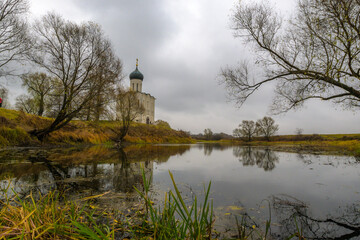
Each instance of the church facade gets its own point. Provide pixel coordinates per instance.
(145, 99)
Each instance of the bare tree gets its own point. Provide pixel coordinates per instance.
(107, 76)
(237, 133)
(71, 53)
(266, 127)
(247, 129)
(299, 131)
(14, 41)
(315, 55)
(26, 104)
(208, 133)
(39, 86)
(128, 108)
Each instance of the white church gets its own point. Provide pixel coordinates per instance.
(148, 101)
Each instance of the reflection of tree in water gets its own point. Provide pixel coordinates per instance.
(263, 158)
(329, 160)
(291, 212)
(128, 175)
(209, 147)
(97, 169)
(58, 173)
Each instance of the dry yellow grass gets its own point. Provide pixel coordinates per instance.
(15, 126)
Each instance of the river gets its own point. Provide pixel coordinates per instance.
(318, 193)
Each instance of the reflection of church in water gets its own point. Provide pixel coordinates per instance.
(148, 101)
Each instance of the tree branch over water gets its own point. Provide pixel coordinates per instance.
(313, 55)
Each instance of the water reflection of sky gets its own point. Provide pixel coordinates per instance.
(318, 184)
(326, 184)
(311, 185)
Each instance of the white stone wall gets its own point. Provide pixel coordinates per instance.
(136, 85)
(148, 102)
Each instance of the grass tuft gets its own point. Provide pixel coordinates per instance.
(176, 220)
(47, 217)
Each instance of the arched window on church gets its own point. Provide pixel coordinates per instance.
(133, 87)
(137, 87)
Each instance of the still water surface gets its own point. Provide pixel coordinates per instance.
(322, 192)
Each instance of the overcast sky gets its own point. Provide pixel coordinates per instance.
(181, 46)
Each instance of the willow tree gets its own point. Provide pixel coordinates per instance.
(314, 55)
(70, 53)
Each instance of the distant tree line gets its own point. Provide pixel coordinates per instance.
(76, 73)
(248, 129)
(209, 135)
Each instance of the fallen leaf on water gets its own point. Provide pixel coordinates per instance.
(235, 208)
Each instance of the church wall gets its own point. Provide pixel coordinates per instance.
(136, 85)
(148, 102)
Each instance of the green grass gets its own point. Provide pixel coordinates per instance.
(175, 219)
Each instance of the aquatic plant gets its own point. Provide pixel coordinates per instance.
(176, 220)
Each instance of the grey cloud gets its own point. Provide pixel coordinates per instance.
(181, 46)
(136, 28)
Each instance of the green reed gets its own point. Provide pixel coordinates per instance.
(175, 219)
(51, 216)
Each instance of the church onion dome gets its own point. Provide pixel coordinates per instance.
(136, 74)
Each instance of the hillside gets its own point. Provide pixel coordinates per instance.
(15, 125)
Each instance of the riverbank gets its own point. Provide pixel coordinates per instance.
(15, 127)
(336, 144)
(351, 148)
(54, 216)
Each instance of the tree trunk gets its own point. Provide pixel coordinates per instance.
(41, 134)
(41, 106)
(88, 113)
